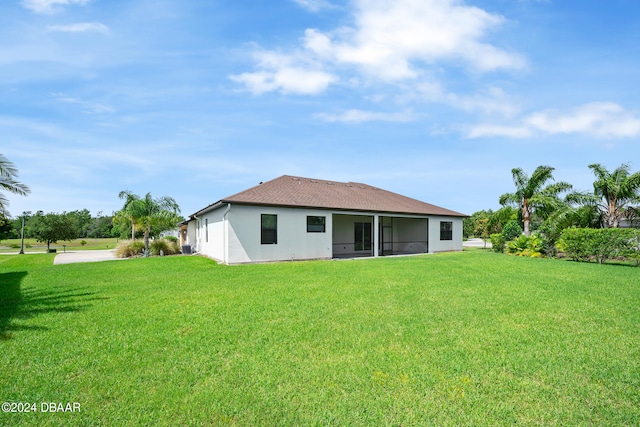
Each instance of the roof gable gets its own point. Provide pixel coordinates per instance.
(293, 191)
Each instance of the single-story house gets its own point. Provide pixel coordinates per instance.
(295, 218)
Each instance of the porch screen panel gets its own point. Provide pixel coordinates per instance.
(362, 236)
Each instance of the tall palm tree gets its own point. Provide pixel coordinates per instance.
(532, 195)
(129, 197)
(8, 182)
(614, 192)
(162, 213)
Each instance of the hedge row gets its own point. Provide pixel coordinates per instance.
(600, 244)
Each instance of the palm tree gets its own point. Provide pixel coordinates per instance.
(160, 214)
(129, 197)
(614, 191)
(532, 195)
(8, 182)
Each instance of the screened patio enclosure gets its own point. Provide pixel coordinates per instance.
(378, 235)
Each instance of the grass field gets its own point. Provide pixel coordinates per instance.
(471, 338)
(13, 245)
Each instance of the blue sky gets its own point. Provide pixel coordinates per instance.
(199, 99)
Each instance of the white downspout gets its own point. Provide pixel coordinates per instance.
(225, 235)
(197, 249)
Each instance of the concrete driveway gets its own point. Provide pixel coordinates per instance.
(85, 256)
(475, 243)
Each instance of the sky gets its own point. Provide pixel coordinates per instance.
(200, 99)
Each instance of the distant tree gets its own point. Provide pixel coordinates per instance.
(101, 226)
(83, 221)
(153, 215)
(51, 227)
(482, 230)
(532, 196)
(8, 182)
(615, 193)
(6, 227)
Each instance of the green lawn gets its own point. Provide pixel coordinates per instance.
(31, 245)
(471, 338)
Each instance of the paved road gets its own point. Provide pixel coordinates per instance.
(85, 256)
(475, 243)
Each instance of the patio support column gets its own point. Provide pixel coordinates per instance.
(376, 235)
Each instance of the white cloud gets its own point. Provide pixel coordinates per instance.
(88, 107)
(47, 6)
(391, 38)
(485, 130)
(359, 116)
(81, 27)
(286, 74)
(601, 119)
(391, 42)
(314, 5)
(597, 119)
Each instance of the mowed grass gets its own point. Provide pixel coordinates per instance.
(31, 245)
(471, 338)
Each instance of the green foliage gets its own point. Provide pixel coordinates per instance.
(534, 195)
(498, 242)
(584, 244)
(173, 239)
(511, 230)
(165, 245)
(83, 242)
(51, 227)
(614, 192)
(530, 246)
(6, 227)
(9, 182)
(151, 215)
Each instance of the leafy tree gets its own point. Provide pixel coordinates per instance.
(153, 215)
(482, 230)
(614, 192)
(532, 195)
(51, 227)
(6, 227)
(8, 182)
(511, 230)
(101, 226)
(83, 221)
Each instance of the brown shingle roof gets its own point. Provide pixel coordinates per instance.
(315, 193)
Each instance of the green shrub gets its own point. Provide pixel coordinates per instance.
(159, 246)
(511, 230)
(584, 244)
(167, 246)
(172, 239)
(14, 246)
(497, 242)
(526, 246)
(83, 242)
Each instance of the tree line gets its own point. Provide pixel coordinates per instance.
(140, 217)
(546, 208)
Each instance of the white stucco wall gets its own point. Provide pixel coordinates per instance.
(293, 242)
(210, 236)
(437, 245)
(236, 239)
